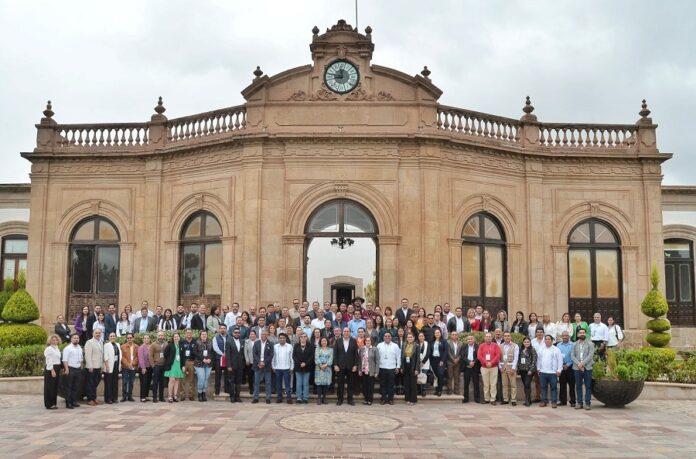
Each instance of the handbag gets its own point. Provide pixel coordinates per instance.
(422, 378)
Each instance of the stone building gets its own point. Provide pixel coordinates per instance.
(464, 207)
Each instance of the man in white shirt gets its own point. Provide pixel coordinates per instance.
(283, 365)
(72, 364)
(599, 334)
(389, 365)
(447, 314)
(537, 344)
(458, 323)
(318, 322)
(549, 367)
(231, 317)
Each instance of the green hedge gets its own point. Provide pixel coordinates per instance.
(478, 337)
(658, 360)
(6, 294)
(20, 308)
(683, 371)
(138, 337)
(21, 335)
(22, 361)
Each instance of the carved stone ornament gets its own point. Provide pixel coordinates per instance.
(384, 95)
(359, 94)
(95, 205)
(341, 189)
(323, 94)
(199, 201)
(485, 202)
(298, 96)
(341, 51)
(594, 209)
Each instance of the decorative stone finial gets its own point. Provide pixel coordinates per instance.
(48, 113)
(425, 72)
(368, 31)
(159, 109)
(258, 72)
(644, 112)
(315, 31)
(528, 107)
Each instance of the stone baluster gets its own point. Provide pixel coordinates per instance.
(529, 126)
(46, 130)
(158, 126)
(646, 140)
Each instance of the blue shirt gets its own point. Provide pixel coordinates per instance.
(566, 349)
(354, 325)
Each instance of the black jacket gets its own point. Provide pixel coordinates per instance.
(234, 356)
(169, 355)
(63, 331)
(452, 324)
(464, 361)
(198, 323)
(185, 346)
(400, 316)
(346, 360)
(524, 327)
(305, 356)
(429, 332)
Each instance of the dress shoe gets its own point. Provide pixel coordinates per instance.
(542, 405)
(351, 402)
(92, 403)
(572, 405)
(383, 402)
(70, 407)
(289, 401)
(318, 401)
(493, 403)
(256, 400)
(513, 403)
(75, 405)
(339, 403)
(366, 403)
(205, 396)
(268, 401)
(391, 402)
(154, 400)
(131, 399)
(124, 399)
(554, 405)
(52, 408)
(238, 400)
(504, 402)
(161, 399)
(579, 407)
(109, 402)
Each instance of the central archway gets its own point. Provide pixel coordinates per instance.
(340, 240)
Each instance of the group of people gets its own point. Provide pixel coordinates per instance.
(345, 349)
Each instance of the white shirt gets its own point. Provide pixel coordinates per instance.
(563, 327)
(549, 359)
(73, 355)
(318, 323)
(550, 329)
(389, 355)
(282, 357)
(536, 344)
(231, 318)
(460, 324)
(470, 353)
(423, 352)
(615, 335)
(346, 342)
(599, 332)
(448, 316)
(52, 354)
(504, 349)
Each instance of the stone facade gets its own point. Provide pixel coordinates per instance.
(421, 169)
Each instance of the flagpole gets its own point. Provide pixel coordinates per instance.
(356, 14)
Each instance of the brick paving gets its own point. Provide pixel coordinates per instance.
(439, 430)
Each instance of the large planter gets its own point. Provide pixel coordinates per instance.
(616, 394)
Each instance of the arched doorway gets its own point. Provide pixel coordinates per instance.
(340, 240)
(201, 260)
(94, 265)
(594, 270)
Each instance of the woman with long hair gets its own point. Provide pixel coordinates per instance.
(173, 367)
(532, 325)
(410, 367)
(473, 321)
(526, 367)
(563, 326)
(51, 372)
(213, 322)
(501, 321)
(80, 325)
(425, 352)
(167, 322)
(124, 325)
(519, 325)
(323, 360)
(438, 360)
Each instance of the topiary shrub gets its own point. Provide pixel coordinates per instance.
(655, 305)
(6, 293)
(21, 308)
(21, 335)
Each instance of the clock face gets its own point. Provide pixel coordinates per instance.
(341, 77)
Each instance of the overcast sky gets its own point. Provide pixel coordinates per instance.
(588, 61)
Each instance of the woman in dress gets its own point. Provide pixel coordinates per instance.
(202, 364)
(425, 352)
(526, 367)
(51, 372)
(399, 339)
(563, 326)
(520, 325)
(616, 335)
(410, 367)
(124, 326)
(438, 360)
(248, 359)
(80, 325)
(501, 322)
(578, 323)
(533, 324)
(168, 321)
(173, 367)
(323, 360)
(473, 321)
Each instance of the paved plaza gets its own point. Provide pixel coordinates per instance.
(430, 429)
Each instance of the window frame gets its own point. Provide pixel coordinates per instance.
(94, 244)
(680, 310)
(201, 242)
(16, 257)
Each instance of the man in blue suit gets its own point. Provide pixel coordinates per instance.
(110, 320)
(262, 353)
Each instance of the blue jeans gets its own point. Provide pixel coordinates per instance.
(544, 380)
(265, 375)
(202, 375)
(583, 377)
(283, 378)
(302, 389)
(128, 377)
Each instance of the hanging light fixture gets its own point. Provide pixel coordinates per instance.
(342, 242)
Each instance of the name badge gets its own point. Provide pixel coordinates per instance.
(205, 353)
(188, 353)
(117, 358)
(523, 360)
(408, 359)
(581, 355)
(177, 356)
(488, 357)
(161, 355)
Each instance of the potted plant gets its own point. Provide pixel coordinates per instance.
(619, 380)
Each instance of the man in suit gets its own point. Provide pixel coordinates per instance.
(346, 361)
(234, 354)
(262, 353)
(144, 324)
(453, 364)
(199, 321)
(458, 323)
(471, 367)
(110, 319)
(94, 362)
(219, 349)
(91, 319)
(404, 312)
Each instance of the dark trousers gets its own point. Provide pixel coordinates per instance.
(128, 377)
(499, 388)
(584, 379)
(111, 387)
(368, 387)
(386, 384)
(567, 386)
(249, 373)
(221, 377)
(410, 385)
(235, 383)
(158, 383)
(94, 377)
(527, 383)
(322, 390)
(71, 385)
(51, 386)
(283, 381)
(439, 371)
(265, 374)
(145, 381)
(345, 376)
(472, 375)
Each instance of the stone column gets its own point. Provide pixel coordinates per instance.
(560, 279)
(227, 270)
(59, 275)
(515, 281)
(455, 272)
(388, 270)
(125, 275)
(630, 287)
(293, 245)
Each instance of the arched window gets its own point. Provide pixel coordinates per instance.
(594, 270)
(483, 263)
(14, 257)
(679, 281)
(341, 242)
(94, 264)
(201, 259)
